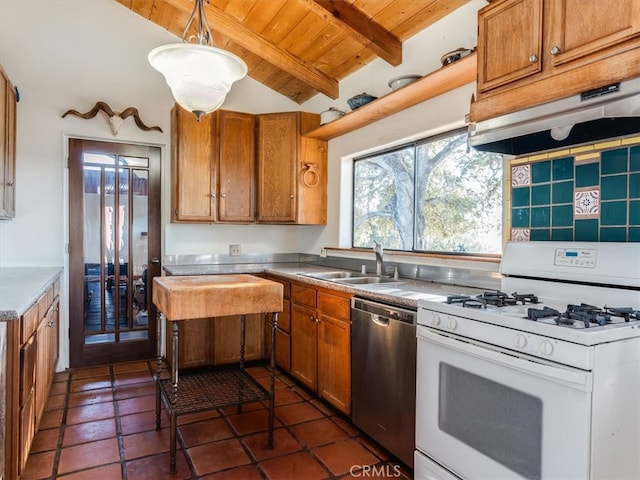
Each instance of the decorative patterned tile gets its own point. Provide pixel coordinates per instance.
(520, 175)
(586, 203)
(520, 234)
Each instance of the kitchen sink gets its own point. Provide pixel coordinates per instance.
(350, 278)
(333, 275)
(366, 280)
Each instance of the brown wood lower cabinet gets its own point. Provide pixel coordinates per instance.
(31, 357)
(216, 341)
(283, 334)
(321, 342)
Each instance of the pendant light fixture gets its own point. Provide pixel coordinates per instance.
(199, 74)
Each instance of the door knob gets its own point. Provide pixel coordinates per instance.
(155, 260)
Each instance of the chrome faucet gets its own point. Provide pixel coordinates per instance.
(379, 251)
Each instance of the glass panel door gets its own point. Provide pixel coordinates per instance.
(116, 230)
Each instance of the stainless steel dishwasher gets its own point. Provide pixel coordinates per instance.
(383, 375)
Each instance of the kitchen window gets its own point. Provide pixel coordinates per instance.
(434, 195)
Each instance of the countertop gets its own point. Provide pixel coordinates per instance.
(405, 292)
(21, 287)
(202, 296)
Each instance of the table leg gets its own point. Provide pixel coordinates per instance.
(272, 379)
(158, 369)
(243, 321)
(174, 398)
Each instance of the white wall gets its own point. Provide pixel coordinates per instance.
(421, 55)
(66, 54)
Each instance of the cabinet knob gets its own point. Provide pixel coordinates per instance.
(291, 196)
(213, 195)
(9, 184)
(312, 318)
(223, 195)
(533, 58)
(555, 50)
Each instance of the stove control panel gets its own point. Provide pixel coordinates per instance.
(575, 257)
(550, 349)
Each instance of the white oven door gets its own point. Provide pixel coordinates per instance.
(488, 413)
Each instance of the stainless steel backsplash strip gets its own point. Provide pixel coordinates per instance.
(428, 273)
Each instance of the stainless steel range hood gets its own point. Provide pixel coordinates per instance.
(610, 111)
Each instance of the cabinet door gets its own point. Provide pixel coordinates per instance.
(304, 351)
(277, 145)
(509, 42)
(27, 430)
(43, 339)
(593, 28)
(28, 354)
(194, 159)
(283, 350)
(334, 362)
(312, 185)
(195, 343)
(7, 147)
(227, 338)
(54, 316)
(237, 168)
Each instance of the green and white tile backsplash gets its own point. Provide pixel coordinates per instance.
(589, 193)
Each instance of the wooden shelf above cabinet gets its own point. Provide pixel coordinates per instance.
(431, 85)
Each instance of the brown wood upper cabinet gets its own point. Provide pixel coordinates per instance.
(292, 169)
(213, 167)
(8, 101)
(534, 51)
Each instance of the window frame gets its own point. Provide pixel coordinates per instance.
(415, 144)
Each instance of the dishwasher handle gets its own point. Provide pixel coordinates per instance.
(378, 320)
(384, 312)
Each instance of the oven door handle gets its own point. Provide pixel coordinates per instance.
(534, 366)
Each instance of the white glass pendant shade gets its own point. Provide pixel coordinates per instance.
(199, 76)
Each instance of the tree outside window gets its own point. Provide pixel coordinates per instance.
(435, 195)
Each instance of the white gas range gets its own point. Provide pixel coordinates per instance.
(524, 390)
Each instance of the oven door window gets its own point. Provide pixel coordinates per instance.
(501, 422)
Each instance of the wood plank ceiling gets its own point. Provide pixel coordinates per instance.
(301, 47)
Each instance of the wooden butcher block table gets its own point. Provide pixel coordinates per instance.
(185, 298)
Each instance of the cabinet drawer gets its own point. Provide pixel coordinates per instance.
(29, 323)
(334, 306)
(303, 295)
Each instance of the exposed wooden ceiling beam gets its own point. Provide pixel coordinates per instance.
(234, 30)
(360, 27)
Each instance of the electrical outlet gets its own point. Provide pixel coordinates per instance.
(234, 250)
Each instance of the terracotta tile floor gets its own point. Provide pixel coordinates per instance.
(99, 424)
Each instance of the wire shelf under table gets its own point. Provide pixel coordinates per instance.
(213, 389)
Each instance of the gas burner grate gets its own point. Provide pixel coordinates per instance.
(585, 314)
(625, 312)
(457, 298)
(537, 313)
(525, 298)
(499, 299)
(477, 302)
